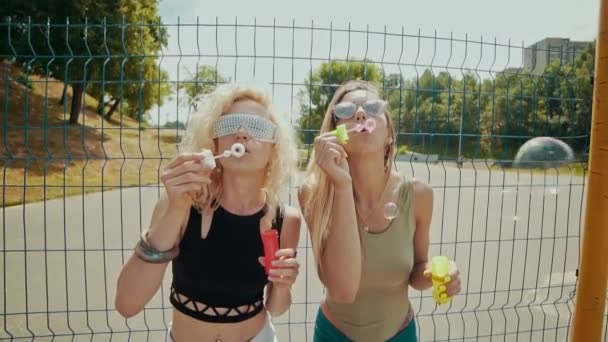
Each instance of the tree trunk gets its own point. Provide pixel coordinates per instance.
(101, 105)
(112, 109)
(76, 103)
(64, 93)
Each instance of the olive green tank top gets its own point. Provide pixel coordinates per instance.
(382, 304)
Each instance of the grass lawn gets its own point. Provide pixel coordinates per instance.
(44, 157)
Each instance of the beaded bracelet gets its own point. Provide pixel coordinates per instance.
(149, 254)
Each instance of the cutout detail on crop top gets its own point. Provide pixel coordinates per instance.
(218, 278)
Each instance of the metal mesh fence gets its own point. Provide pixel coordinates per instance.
(93, 110)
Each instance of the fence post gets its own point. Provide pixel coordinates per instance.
(593, 269)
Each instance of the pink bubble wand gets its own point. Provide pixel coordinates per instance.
(341, 132)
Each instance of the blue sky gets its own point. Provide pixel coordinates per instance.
(517, 22)
(527, 20)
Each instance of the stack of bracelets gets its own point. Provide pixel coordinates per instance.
(149, 254)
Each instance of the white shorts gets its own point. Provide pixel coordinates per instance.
(266, 334)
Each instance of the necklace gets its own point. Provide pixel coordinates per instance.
(371, 212)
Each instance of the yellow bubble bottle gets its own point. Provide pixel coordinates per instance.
(440, 268)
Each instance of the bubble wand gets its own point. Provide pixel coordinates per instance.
(341, 132)
(237, 150)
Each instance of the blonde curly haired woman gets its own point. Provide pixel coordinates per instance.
(209, 220)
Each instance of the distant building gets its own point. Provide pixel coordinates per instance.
(512, 71)
(540, 54)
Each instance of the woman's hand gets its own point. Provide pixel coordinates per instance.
(453, 286)
(284, 271)
(183, 178)
(331, 158)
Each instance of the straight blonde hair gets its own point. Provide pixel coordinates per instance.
(319, 203)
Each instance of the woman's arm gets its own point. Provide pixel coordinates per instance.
(139, 280)
(423, 211)
(340, 264)
(278, 295)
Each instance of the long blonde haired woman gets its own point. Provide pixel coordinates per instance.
(208, 224)
(366, 259)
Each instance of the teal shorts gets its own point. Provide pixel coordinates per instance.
(327, 332)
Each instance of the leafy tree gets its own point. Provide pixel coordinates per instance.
(101, 47)
(320, 87)
(449, 113)
(199, 84)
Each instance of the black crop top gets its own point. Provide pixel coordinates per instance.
(219, 279)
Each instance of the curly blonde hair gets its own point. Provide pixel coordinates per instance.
(319, 203)
(199, 135)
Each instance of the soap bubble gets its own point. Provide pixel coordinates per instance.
(390, 210)
(543, 152)
(391, 207)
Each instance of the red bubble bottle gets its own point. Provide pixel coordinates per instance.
(270, 239)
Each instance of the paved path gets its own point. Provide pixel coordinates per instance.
(514, 236)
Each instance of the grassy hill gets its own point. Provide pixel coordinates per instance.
(43, 157)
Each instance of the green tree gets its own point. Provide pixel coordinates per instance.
(135, 76)
(556, 103)
(101, 47)
(576, 88)
(320, 87)
(175, 124)
(199, 84)
(451, 113)
(430, 107)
